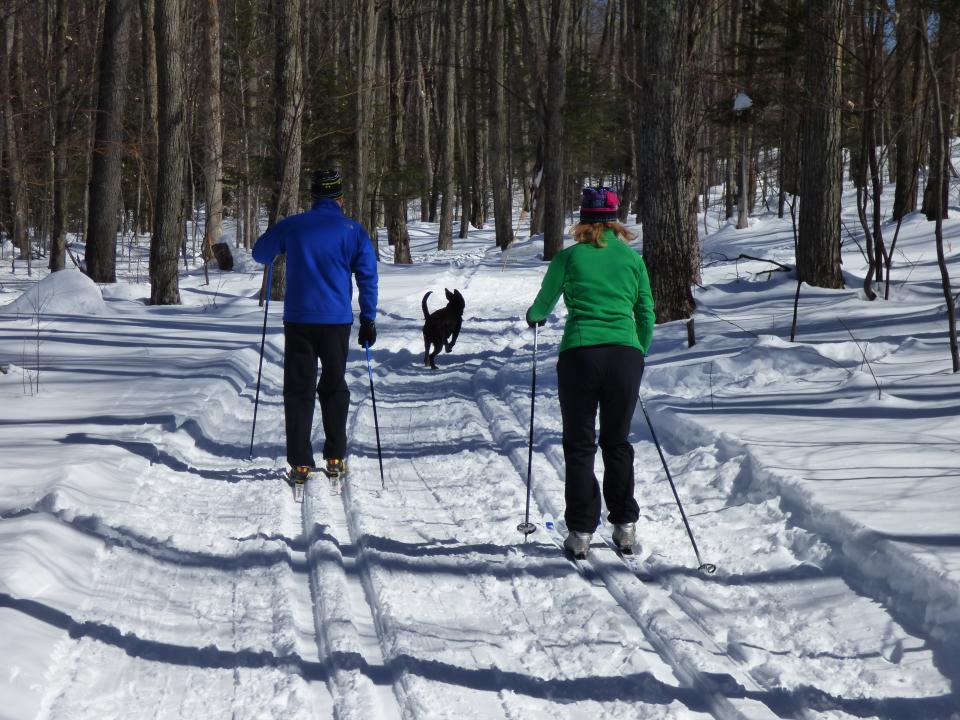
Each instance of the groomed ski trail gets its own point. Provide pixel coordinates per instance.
(682, 596)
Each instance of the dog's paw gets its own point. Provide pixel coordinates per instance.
(448, 348)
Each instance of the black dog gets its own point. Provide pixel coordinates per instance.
(440, 325)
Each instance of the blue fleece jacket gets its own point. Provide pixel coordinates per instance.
(324, 248)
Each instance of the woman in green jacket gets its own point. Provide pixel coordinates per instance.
(609, 327)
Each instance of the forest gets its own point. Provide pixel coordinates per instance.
(122, 120)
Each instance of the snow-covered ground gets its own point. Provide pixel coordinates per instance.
(149, 569)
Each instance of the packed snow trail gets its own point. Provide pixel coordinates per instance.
(150, 568)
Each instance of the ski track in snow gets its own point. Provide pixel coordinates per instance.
(196, 587)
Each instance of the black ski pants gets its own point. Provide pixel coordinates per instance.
(608, 377)
(304, 345)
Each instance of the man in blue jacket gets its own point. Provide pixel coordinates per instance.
(324, 249)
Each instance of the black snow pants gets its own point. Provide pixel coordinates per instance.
(304, 344)
(608, 377)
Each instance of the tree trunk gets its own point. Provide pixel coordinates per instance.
(499, 130)
(288, 89)
(395, 201)
(556, 94)
(941, 136)
(448, 129)
(907, 103)
(168, 217)
(818, 246)
(423, 109)
(150, 100)
(945, 67)
(105, 190)
(18, 212)
(213, 132)
(364, 108)
(669, 230)
(63, 93)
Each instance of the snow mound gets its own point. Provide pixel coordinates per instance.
(68, 292)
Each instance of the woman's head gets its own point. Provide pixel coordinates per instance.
(598, 212)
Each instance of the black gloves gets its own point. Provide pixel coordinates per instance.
(531, 323)
(368, 333)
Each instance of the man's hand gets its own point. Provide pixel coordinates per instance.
(368, 333)
(531, 323)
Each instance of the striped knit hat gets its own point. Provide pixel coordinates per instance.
(599, 205)
(326, 184)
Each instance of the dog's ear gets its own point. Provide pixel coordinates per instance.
(449, 295)
(463, 303)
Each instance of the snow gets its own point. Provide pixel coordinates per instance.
(742, 102)
(149, 568)
(67, 292)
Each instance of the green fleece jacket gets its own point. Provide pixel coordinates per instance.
(607, 294)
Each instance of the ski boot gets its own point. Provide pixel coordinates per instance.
(336, 469)
(624, 537)
(577, 544)
(297, 479)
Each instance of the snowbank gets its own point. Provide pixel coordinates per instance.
(68, 292)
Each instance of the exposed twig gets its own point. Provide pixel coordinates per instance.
(863, 353)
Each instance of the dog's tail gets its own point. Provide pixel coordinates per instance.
(423, 304)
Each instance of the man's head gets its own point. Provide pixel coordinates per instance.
(326, 184)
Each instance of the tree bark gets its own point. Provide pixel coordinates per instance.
(105, 191)
(364, 108)
(213, 131)
(818, 246)
(448, 128)
(945, 66)
(287, 150)
(62, 97)
(908, 89)
(150, 100)
(395, 201)
(669, 229)
(499, 130)
(168, 214)
(17, 211)
(556, 94)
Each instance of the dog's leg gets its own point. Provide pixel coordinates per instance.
(456, 334)
(433, 355)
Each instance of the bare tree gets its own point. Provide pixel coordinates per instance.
(288, 123)
(818, 246)
(213, 131)
(105, 196)
(395, 200)
(61, 131)
(499, 128)
(448, 126)
(553, 105)
(168, 215)
(670, 242)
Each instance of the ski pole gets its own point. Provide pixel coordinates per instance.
(376, 425)
(527, 527)
(263, 339)
(709, 568)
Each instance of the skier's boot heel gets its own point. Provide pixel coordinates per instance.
(297, 479)
(335, 469)
(577, 544)
(624, 537)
